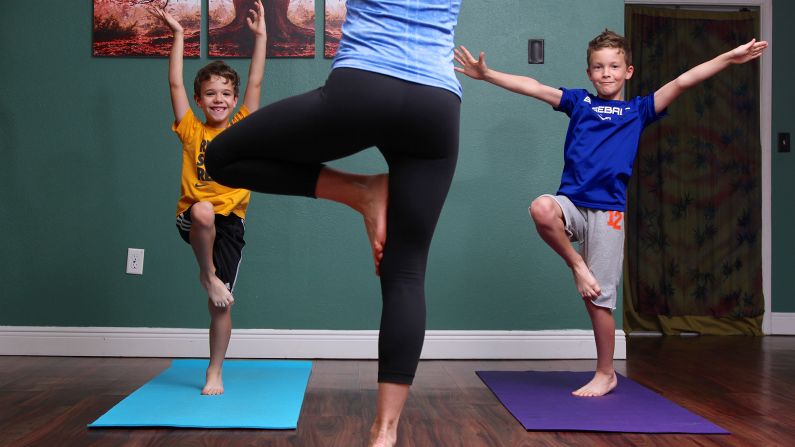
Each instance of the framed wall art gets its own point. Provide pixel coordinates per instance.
(334, 16)
(290, 25)
(124, 28)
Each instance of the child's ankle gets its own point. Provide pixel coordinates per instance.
(606, 371)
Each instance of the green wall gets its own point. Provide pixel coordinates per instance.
(783, 164)
(90, 167)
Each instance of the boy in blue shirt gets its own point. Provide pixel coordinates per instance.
(601, 144)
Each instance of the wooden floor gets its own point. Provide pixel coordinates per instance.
(744, 384)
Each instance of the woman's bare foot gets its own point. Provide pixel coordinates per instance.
(374, 212)
(587, 285)
(391, 399)
(367, 194)
(600, 385)
(214, 385)
(382, 437)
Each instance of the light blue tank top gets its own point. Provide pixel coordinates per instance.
(408, 39)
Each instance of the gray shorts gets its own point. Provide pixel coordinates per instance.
(600, 234)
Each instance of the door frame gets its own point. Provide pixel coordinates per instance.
(765, 128)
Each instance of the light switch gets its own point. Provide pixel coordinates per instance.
(535, 51)
(783, 142)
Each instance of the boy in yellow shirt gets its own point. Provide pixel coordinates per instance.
(210, 216)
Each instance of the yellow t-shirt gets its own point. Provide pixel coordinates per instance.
(197, 185)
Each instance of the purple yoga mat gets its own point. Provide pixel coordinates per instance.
(542, 401)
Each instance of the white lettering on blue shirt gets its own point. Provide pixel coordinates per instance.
(608, 110)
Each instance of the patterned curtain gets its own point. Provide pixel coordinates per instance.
(694, 218)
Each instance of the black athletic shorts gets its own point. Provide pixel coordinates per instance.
(228, 246)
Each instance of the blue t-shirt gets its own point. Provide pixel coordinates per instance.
(407, 39)
(601, 145)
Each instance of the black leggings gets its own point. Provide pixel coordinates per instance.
(281, 148)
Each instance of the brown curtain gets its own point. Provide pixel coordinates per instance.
(694, 219)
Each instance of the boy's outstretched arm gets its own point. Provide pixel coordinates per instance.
(477, 69)
(179, 99)
(256, 71)
(740, 55)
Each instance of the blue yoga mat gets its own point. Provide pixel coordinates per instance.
(264, 394)
(542, 401)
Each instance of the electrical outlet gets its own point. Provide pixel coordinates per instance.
(135, 261)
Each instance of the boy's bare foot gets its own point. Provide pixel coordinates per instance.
(586, 283)
(217, 291)
(374, 213)
(214, 385)
(600, 385)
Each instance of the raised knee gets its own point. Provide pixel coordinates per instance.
(543, 210)
(202, 214)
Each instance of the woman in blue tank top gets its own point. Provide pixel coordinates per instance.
(392, 87)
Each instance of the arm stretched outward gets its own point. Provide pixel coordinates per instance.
(179, 99)
(740, 55)
(477, 69)
(256, 71)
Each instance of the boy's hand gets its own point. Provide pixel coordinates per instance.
(747, 52)
(256, 19)
(666, 94)
(167, 18)
(475, 69)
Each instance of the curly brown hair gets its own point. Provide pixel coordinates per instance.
(216, 68)
(610, 39)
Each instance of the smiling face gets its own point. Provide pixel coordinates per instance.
(608, 71)
(217, 100)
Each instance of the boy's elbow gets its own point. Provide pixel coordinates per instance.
(682, 83)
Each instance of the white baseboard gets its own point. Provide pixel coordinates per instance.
(313, 344)
(783, 323)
